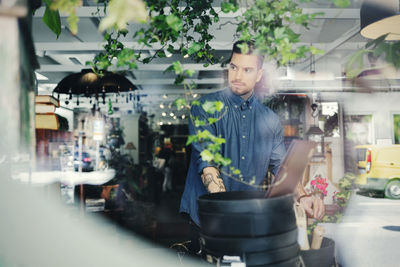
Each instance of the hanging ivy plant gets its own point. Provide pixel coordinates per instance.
(270, 24)
(186, 29)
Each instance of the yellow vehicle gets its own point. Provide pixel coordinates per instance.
(379, 169)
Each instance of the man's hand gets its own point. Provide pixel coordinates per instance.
(212, 181)
(314, 206)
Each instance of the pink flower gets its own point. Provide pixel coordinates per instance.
(319, 184)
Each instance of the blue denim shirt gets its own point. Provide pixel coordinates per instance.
(254, 143)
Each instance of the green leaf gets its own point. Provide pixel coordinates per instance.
(244, 48)
(279, 33)
(213, 147)
(73, 23)
(161, 54)
(52, 19)
(195, 47)
(220, 160)
(180, 103)
(177, 67)
(341, 3)
(226, 7)
(179, 79)
(219, 140)
(212, 120)
(236, 172)
(206, 155)
(219, 105)
(316, 51)
(170, 49)
(355, 65)
(195, 103)
(204, 135)
(209, 107)
(174, 22)
(377, 41)
(191, 139)
(189, 72)
(198, 123)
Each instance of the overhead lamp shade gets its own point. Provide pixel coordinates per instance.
(130, 146)
(314, 130)
(315, 134)
(378, 19)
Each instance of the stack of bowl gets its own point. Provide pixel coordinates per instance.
(261, 230)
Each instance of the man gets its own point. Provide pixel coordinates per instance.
(254, 139)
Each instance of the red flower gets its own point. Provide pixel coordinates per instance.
(319, 184)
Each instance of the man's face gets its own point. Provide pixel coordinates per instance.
(243, 74)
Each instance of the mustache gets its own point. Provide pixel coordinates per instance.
(237, 81)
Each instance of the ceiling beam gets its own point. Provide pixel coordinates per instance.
(329, 13)
(141, 67)
(49, 47)
(98, 46)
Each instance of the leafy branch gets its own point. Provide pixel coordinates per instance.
(377, 48)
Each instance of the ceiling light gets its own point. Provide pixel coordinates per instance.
(169, 123)
(186, 56)
(171, 114)
(195, 95)
(163, 114)
(165, 96)
(162, 106)
(379, 19)
(183, 117)
(160, 123)
(174, 117)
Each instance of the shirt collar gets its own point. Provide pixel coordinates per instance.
(239, 101)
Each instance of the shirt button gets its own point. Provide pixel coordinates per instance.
(243, 136)
(244, 116)
(242, 157)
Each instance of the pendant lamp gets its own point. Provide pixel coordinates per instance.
(379, 18)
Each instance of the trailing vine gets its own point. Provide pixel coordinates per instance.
(184, 28)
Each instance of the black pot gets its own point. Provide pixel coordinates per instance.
(323, 257)
(237, 246)
(243, 202)
(245, 214)
(264, 257)
(294, 262)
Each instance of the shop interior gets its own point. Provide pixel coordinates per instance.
(116, 148)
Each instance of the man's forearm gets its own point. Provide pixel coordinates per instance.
(211, 180)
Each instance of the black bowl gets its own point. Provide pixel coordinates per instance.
(243, 202)
(229, 245)
(245, 214)
(264, 257)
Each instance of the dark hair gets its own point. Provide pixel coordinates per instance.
(251, 51)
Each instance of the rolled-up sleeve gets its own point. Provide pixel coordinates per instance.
(198, 112)
(278, 149)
